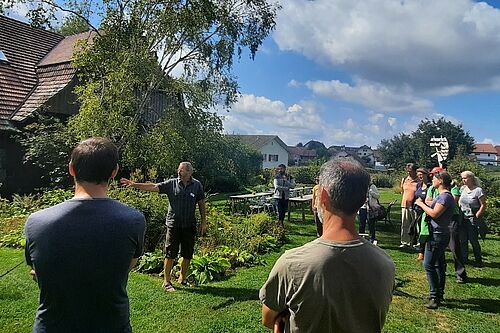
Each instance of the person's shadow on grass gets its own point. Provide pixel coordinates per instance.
(231, 295)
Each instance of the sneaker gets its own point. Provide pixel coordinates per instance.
(402, 246)
(375, 242)
(461, 280)
(432, 304)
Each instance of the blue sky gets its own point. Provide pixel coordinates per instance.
(355, 72)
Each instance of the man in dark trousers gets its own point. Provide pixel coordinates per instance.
(338, 282)
(184, 193)
(82, 250)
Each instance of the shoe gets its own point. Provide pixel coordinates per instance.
(420, 257)
(185, 283)
(478, 263)
(402, 246)
(375, 242)
(168, 286)
(461, 280)
(432, 304)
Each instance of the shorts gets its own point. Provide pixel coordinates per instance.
(180, 236)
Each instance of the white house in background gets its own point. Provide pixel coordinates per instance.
(486, 154)
(274, 151)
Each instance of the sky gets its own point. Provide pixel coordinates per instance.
(354, 72)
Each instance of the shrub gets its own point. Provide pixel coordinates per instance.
(493, 214)
(304, 174)
(383, 180)
(208, 268)
(151, 262)
(12, 231)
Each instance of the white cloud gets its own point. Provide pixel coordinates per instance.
(294, 84)
(392, 121)
(430, 46)
(487, 140)
(350, 123)
(371, 95)
(375, 117)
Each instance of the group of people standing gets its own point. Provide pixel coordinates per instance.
(437, 214)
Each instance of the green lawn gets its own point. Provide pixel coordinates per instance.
(233, 306)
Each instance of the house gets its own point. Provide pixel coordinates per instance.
(364, 153)
(274, 151)
(301, 155)
(35, 75)
(486, 154)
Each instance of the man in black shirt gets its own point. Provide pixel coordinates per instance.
(81, 250)
(184, 193)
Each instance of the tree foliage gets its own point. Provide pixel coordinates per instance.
(151, 71)
(414, 147)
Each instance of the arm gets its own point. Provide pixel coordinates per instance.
(268, 316)
(313, 201)
(203, 215)
(133, 263)
(482, 208)
(152, 187)
(432, 212)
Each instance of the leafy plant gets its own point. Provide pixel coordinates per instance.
(151, 262)
(12, 231)
(208, 268)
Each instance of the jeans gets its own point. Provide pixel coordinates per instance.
(363, 217)
(471, 233)
(282, 205)
(435, 263)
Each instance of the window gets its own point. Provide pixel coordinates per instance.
(264, 157)
(273, 158)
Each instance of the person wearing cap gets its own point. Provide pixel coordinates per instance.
(408, 215)
(440, 212)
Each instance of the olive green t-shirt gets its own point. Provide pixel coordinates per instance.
(332, 287)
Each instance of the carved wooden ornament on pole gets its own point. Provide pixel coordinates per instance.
(442, 148)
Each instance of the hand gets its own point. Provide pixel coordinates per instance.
(280, 321)
(418, 201)
(126, 182)
(33, 275)
(203, 227)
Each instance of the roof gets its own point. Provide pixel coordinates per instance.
(486, 148)
(259, 141)
(24, 47)
(302, 151)
(64, 51)
(52, 80)
(497, 149)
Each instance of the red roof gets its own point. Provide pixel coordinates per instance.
(497, 149)
(485, 148)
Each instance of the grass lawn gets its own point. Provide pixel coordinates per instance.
(233, 306)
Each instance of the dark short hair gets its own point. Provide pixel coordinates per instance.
(346, 181)
(445, 178)
(413, 166)
(282, 166)
(94, 160)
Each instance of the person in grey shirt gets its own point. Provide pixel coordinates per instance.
(184, 193)
(336, 283)
(82, 250)
(282, 182)
(473, 205)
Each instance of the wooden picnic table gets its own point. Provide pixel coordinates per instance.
(242, 198)
(302, 201)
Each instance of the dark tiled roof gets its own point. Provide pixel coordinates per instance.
(24, 48)
(302, 151)
(52, 79)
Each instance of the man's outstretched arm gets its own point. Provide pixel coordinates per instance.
(152, 187)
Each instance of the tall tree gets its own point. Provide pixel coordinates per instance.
(414, 147)
(153, 69)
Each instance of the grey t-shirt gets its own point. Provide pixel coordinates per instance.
(332, 287)
(469, 200)
(182, 201)
(81, 251)
(441, 224)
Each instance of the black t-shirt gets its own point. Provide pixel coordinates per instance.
(81, 251)
(182, 201)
